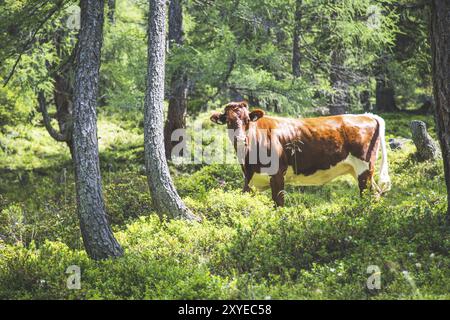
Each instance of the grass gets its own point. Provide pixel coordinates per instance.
(320, 246)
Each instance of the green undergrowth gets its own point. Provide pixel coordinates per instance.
(319, 246)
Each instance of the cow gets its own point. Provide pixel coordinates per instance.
(308, 151)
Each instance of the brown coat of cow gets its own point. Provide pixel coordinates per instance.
(309, 151)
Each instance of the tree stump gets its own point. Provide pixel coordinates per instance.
(427, 148)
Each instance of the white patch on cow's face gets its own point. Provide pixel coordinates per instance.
(351, 165)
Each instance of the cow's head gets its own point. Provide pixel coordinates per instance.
(236, 114)
(237, 117)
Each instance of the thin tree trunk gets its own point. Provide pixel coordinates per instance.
(364, 98)
(440, 48)
(62, 93)
(176, 35)
(296, 56)
(385, 97)
(339, 99)
(176, 114)
(384, 91)
(112, 11)
(97, 235)
(164, 195)
(63, 90)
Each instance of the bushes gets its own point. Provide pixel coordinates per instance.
(197, 185)
(27, 222)
(14, 107)
(319, 246)
(244, 249)
(41, 274)
(127, 198)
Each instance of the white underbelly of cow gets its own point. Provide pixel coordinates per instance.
(351, 165)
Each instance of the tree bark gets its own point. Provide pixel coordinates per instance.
(440, 48)
(364, 98)
(97, 235)
(63, 94)
(339, 99)
(385, 97)
(427, 149)
(296, 55)
(112, 11)
(164, 195)
(176, 114)
(55, 134)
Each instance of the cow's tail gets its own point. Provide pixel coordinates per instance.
(384, 180)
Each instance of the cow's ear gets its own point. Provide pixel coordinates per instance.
(256, 114)
(244, 104)
(219, 118)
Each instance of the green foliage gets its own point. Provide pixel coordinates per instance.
(127, 199)
(399, 124)
(42, 275)
(14, 108)
(124, 54)
(318, 247)
(199, 183)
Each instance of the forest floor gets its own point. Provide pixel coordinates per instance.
(327, 242)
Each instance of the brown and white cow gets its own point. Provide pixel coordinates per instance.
(308, 151)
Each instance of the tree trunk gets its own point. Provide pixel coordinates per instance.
(164, 195)
(62, 93)
(427, 149)
(440, 48)
(364, 98)
(176, 33)
(63, 89)
(112, 11)
(97, 235)
(385, 97)
(339, 99)
(296, 56)
(176, 114)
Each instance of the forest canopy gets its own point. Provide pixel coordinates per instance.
(348, 51)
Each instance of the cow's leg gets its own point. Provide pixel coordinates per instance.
(248, 174)
(277, 185)
(370, 183)
(376, 187)
(365, 181)
(247, 179)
